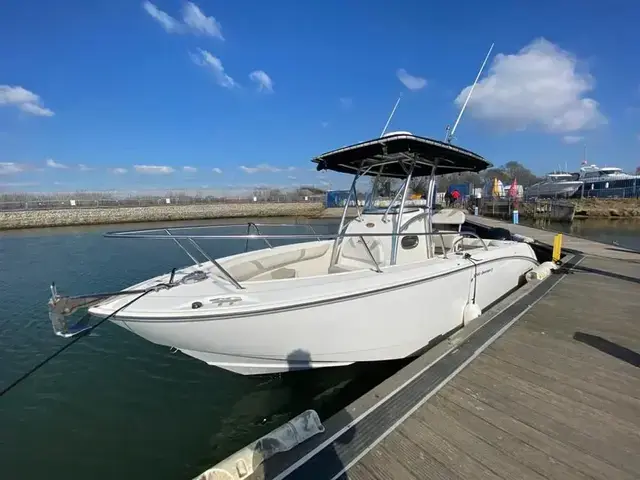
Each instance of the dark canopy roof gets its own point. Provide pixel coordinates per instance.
(393, 154)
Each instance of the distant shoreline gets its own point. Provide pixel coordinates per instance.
(27, 219)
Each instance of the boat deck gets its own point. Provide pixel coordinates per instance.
(548, 387)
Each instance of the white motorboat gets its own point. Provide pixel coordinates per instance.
(391, 282)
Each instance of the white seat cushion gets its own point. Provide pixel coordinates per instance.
(283, 273)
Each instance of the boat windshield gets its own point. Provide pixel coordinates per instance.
(385, 195)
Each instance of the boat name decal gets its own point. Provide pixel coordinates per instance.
(488, 270)
(220, 301)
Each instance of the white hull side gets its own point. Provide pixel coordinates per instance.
(561, 189)
(393, 323)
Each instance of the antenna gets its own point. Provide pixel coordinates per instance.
(584, 153)
(451, 132)
(391, 116)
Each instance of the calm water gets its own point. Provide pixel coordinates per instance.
(117, 406)
(621, 232)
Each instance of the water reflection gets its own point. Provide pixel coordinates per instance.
(623, 232)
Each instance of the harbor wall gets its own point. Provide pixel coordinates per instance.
(607, 208)
(159, 213)
(564, 210)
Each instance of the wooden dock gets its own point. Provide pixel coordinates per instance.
(545, 386)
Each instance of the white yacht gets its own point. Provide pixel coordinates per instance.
(594, 173)
(390, 282)
(590, 181)
(560, 184)
(608, 182)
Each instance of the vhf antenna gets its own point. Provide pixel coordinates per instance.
(390, 116)
(452, 131)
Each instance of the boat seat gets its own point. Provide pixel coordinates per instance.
(449, 217)
(448, 242)
(265, 261)
(283, 273)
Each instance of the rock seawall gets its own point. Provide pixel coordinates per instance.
(160, 213)
(607, 208)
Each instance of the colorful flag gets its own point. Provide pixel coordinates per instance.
(495, 191)
(513, 190)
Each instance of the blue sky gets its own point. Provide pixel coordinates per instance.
(127, 94)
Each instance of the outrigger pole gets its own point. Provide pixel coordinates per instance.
(452, 131)
(384, 130)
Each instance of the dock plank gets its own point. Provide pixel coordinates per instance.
(591, 421)
(540, 403)
(475, 443)
(415, 458)
(535, 415)
(382, 465)
(557, 450)
(516, 447)
(564, 383)
(444, 450)
(592, 365)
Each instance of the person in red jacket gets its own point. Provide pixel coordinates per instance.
(455, 195)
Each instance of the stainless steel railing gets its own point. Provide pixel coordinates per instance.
(168, 234)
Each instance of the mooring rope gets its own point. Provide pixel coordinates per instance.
(73, 340)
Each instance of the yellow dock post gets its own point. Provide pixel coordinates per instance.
(557, 248)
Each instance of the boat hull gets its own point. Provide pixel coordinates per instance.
(394, 318)
(554, 189)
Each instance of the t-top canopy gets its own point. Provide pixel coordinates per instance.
(393, 154)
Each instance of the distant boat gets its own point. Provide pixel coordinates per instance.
(608, 182)
(562, 184)
(590, 181)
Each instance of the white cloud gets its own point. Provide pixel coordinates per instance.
(16, 95)
(216, 170)
(84, 168)
(23, 99)
(189, 169)
(409, 81)
(7, 168)
(193, 21)
(118, 171)
(265, 84)
(53, 164)
(572, 138)
(346, 103)
(200, 23)
(538, 86)
(169, 23)
(153, 169)
(206, 60)
(291, 177)
(263, 167)
(36, 110)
